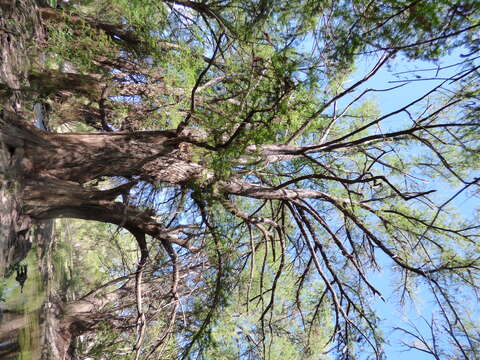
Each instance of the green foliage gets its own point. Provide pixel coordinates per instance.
(326, 178)
(77, 44)
(287, 331)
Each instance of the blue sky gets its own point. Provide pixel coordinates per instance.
(391, 311)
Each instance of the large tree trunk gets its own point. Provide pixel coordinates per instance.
(14, 226)
(20, 26)
(53, 169)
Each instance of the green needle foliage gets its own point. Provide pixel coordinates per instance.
(255, 196)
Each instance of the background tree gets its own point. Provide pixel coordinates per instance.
(223, 135)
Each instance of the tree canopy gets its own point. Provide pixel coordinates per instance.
(249, 188)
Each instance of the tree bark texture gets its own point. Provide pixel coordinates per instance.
(19, 27)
